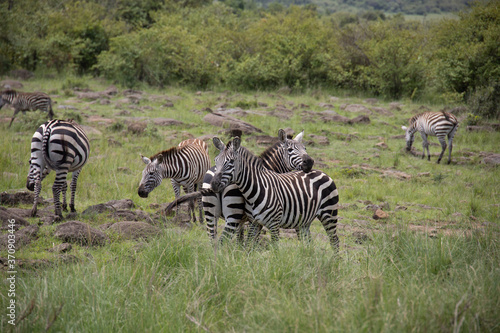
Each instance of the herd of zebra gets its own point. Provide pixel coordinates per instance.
(278, 189)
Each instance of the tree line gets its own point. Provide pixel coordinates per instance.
(206, 44)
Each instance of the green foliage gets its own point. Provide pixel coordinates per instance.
(485, 101)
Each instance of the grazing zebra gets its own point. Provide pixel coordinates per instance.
(61, 146)
(289, 200)
(185, 164)
(440, 124)
(284, 156)
(26, 102)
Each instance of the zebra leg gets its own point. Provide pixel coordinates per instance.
(64, 190)
(425, 144)
(16, 111)
(212, 211)
(450, 143)
(56, 191)
(253, 232)
(190, 189)
(51, 112)
(72, 186)
(177, 193)
(38, 188)
(275, 232)
(200, 205)
(304, 234)
(442, 141)
(328, 218)
(233, 209)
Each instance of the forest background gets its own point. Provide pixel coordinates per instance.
(377, 48)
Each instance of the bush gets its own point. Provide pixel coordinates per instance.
(485, 101)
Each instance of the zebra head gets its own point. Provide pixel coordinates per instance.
(295, 155)
(409, 137)
(224, 163)
(151, 176)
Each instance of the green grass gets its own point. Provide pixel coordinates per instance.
(433, 265)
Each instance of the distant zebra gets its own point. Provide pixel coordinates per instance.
(26, 102)
(185, 164)
(61, 146)
(289, 200)
(284, 156)
(440, 124)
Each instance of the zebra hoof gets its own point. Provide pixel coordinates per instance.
(33, 213)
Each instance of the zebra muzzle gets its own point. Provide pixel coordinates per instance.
(307, 163)
(142, 192)
(216, 183)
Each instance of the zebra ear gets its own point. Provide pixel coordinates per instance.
(299, 136)
(404, 128)
(145, 159)
(282, 135)
(218, 144)
(236, 143)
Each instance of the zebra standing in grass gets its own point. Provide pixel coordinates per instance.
(440, 124)
(284, 156)
(26, 102)
(289, 200)
(61, 146)
(185, 164)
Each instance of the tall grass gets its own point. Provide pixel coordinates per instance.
(443, 277)
(403, 281)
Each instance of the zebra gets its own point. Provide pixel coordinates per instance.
(26, 102)
(289, 200)
(185, 164)
(284, 156)
(440, 124)
(62, 146)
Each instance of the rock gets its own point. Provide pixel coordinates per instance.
(66, 107)
(360, 120)
(380, 214)
(320, 140)
(22, 237)
(134, 230)
(18, 198)
(109, 206)
(61, 248)
(382, 111)
(90, 130)
(11, 84)
(265, 140)
(360, 237)
(232, 123)
(137, 128)
(489, 128)
(356, 108)
(6, 215)
(88, 95)
(493, 159)
(381, 145)
(166, 122)
(80, 233)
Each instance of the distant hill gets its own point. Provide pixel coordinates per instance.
(407, 7)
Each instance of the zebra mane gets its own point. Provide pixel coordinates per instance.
(9, 92)
(269, 151)
(248, 155)
(166, 153)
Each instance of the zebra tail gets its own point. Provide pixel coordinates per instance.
(45, 148)
(187, 197)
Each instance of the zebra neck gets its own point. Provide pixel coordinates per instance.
(248, 169)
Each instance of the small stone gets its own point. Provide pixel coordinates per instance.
(380, 214)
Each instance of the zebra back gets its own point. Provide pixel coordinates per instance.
(63, 142)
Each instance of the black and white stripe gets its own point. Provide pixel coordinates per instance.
(290, 200)
(26, 102)
(61, 146)
(440, 124)
(185, 164)
(284, 156)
